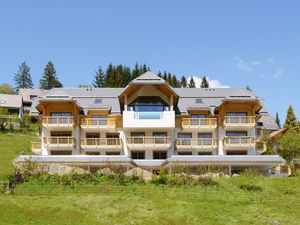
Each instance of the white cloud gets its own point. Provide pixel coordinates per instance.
(278, 73)
(212, 82)
(271, 60)
(241, 64)
(256, 62)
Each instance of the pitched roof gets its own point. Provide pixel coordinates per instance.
(10, 101)
(28, 94)
(148, 77)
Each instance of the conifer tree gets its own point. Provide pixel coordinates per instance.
(183, 82)
(159, 74)
(136, 71)
(49, 79)
(291, 122)
(99, 78)
(22, 77)
(277, 120)
(248, 88)
(204, 83)
(192, 83)
(165, 76)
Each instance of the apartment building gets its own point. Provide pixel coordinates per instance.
(150, 124)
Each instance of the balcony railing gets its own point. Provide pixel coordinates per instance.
(196, 143)
(199, 122)
(58, 121)
(59, 141)
(239, 121)
(98, 123)
(243, 141)
(101, 142)
(149, 141)
(36, 147)
(148, 115)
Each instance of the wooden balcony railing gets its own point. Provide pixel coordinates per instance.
(36, 147)
(60, 141)
(239, 121)
(199, 122)
(101, 143)
(149, 140)
(239, 141)
(98, 122)
(196, 143)
(58, 121)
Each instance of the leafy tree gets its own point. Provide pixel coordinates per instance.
(22, 78)
(290, 146)
(49, 79)
(266, 142)
(204, 83)
(6, 89)
(100, 78)
(192, 83)
(277, 120)
(291, 122)
(183, 82)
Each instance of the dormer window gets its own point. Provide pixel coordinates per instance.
(98, 101)
(199, 100)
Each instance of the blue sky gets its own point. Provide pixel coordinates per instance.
(234, 43)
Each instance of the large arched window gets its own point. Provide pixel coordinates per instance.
(148, 104)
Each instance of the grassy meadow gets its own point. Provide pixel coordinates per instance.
(277, 201)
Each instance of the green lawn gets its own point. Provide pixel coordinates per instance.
(109, 203)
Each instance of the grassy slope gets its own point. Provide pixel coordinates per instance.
(145, 204)
(11, 145)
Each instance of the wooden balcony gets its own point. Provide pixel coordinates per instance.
(199, 124)
(98, 123)
(241, 143)
(36, 147)
(196, 143)
(64, 143)
(58, 122)
(239, 122)
(151, 142)
(101, 143)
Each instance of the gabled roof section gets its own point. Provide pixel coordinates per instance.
(28, 94)
(10, 101)
(147, 78)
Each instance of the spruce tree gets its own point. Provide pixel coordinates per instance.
(49, 79)
(192, 83)
(204, 83)
(291, 122)
(136, 71)
(165, 76)
(99, 78)
(277, 120)
(22, 77)
(248, 88)
(183, 82)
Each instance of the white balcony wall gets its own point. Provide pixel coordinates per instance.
(132, 119)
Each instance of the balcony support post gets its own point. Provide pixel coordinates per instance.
(125, 102)
(171, 103)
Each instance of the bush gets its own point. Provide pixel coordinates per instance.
(207, 181)
(250, 187)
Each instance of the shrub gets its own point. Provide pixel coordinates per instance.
(207, 181)
(250, 187)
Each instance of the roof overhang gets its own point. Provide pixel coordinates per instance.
(255, 102)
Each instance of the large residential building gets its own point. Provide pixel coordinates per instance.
(149, 124)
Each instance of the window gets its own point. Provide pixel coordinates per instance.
(185, 138)
(236, 134)
(92, 153)
(112, 153)
(199, 100)
(159, 155)
(98, 101)
(61, 133)
(92, 135)
(138, 155)
(33, 96)
(61, 152)
(149, 104)
(204, 135)
(236, 114)
(236, 152)
(198, 116)
(204, 153)
(184, 153)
